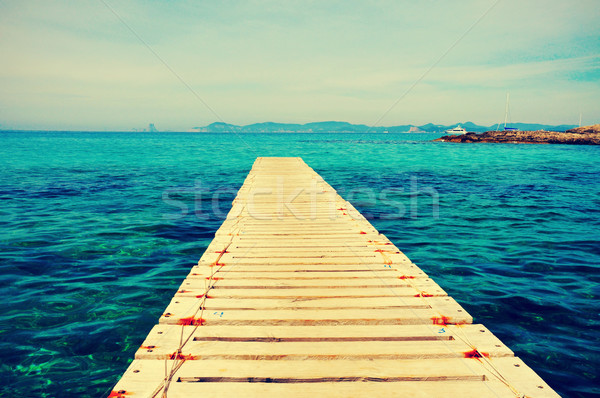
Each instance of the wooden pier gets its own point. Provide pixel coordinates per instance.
(299, 296)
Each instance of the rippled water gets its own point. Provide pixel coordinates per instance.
(99, 229)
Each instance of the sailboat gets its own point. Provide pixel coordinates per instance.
(506, 116)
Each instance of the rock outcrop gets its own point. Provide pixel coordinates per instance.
(588, 135)
(586, 129)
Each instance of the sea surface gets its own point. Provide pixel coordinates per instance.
(98, 229)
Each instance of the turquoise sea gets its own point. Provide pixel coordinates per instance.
(99, 229)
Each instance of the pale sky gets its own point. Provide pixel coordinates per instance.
(75, 65)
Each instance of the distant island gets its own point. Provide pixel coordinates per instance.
(588, 135)
(344, 127)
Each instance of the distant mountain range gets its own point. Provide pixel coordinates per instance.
(344, 127)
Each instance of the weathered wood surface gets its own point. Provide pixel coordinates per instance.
(299, 296)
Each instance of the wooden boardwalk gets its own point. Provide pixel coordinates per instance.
(299, 296)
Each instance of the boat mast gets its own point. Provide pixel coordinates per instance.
(506, 112)
(580, 119)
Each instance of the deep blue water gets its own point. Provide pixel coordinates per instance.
(98, 230)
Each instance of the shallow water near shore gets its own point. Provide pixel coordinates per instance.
(99, 229)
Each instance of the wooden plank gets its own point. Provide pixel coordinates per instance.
(485, 389)
(389, 316)
(179, 306)
(416, 348)
(474, 334)
(297, 351)
(372, 261)
(235, 273)
(318, 342)
(399, 269)
(312, 378)
(223, 281)
(307, 293)
(299, 295)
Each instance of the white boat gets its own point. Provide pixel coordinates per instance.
(456, 130)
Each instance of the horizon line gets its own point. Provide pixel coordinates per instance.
(189, 129)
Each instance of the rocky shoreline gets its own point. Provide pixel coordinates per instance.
(588, 135)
